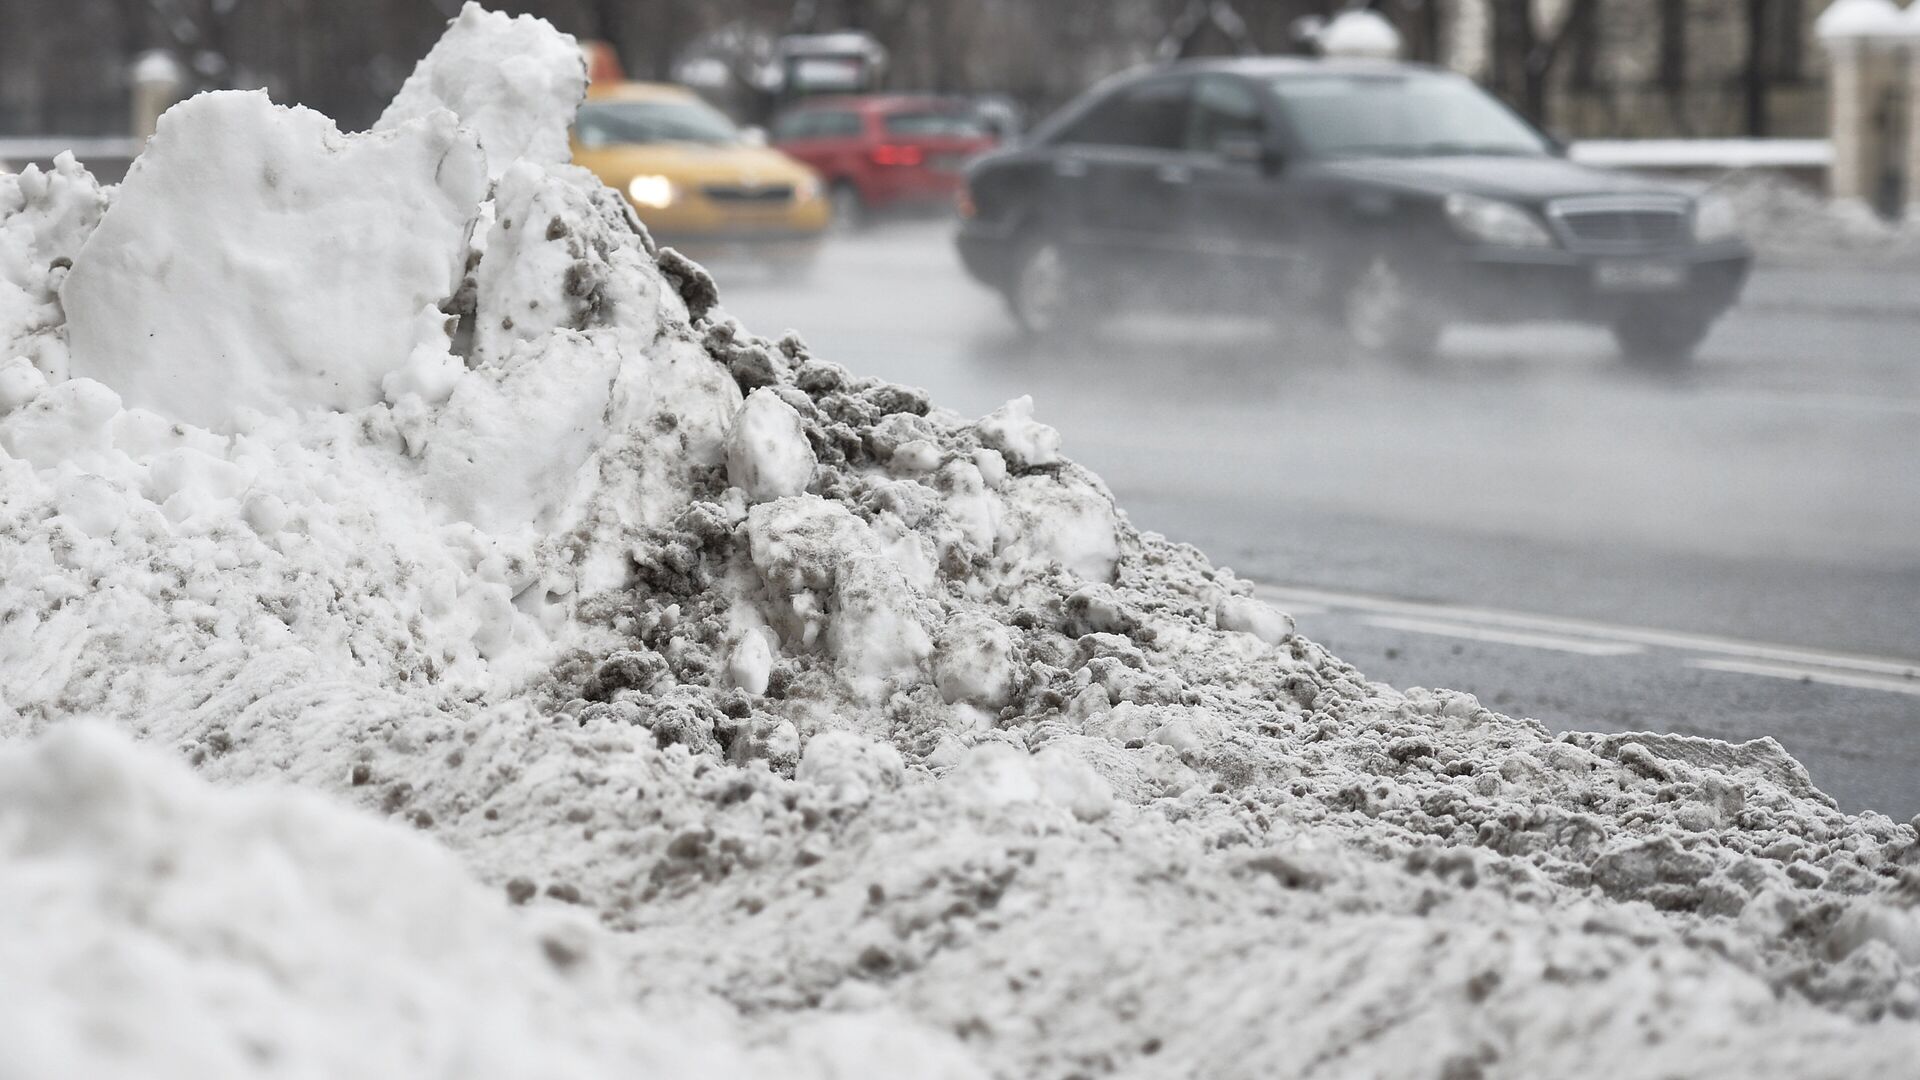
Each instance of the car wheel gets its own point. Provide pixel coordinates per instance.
(1660, 339)
(1044, 294)
(849, 209)
(1385, 314)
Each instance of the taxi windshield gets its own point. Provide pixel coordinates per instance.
(616, 123)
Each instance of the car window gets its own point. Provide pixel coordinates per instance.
(816, 124)
(796, 125)
(1400, 115)
(1224, 109)
(1149, 115)
(616, 123)
(949, 124)
(840, 125)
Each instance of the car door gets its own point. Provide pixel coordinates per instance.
(825, 139)
(1120, 171)
(1239, 216)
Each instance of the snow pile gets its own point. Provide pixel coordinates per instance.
(319, 248)
(777, 719)
(1787, 221)
(147, 923)
(44, 219)
(512, 81)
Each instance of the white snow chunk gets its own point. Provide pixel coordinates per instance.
(1023, 441)
(993, 467)
(852, 768)
(431, 370)
(256, 258)
(971, 503)
(508, 449)
(768, 455)
(1046, 521)
(68, 422)
(1244, 614)
(997, 774)
(144, 931)
(515, 81)
(751, 663)
(92, 504)
(806, 548)
(20, 383)
(915, 456)
(974, 662)
(45, 218)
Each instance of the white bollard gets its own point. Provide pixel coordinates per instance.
(1855, 33)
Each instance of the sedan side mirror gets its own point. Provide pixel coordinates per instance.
(753, 136)
(1249, 150)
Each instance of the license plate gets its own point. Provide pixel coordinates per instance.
(1637, 275)
(947, 162)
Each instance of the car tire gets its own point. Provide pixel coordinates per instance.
(1046, 296)
(1386, 314)
(1660, 339)
(849, 208)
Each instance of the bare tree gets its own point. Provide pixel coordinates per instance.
(1525, 53)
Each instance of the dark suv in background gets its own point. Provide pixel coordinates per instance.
(1392, 198)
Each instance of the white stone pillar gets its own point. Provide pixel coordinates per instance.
(1912, 65)
(1853, 32)
(157, 81)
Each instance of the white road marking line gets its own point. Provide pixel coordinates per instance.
(1504, 637)
(1811, 674)
(1898, 669)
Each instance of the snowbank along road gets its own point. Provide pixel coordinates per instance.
(433, 641)
(1761, 497)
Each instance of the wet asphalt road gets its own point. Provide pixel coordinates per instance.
(1731, 552)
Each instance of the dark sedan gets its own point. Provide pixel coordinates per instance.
(1392, 198)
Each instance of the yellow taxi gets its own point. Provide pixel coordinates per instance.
(699, 182)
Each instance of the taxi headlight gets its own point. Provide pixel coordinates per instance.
(655, 192)
(1715, 219)
(1491, 221)
(808, 189)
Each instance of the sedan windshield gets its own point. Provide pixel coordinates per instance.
(623, 122)
(1400, 115)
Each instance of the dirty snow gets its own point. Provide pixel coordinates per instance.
(1790, 222)
(601, 686)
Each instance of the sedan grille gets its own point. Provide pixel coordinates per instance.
(741, 193)
(1621, 224)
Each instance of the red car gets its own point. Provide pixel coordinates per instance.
(881, 151)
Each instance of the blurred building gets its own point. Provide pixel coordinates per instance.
(1620, 68)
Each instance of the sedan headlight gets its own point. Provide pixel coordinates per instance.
(655, 192)
(808, 189)
(1715, 220)
(1501, 224)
